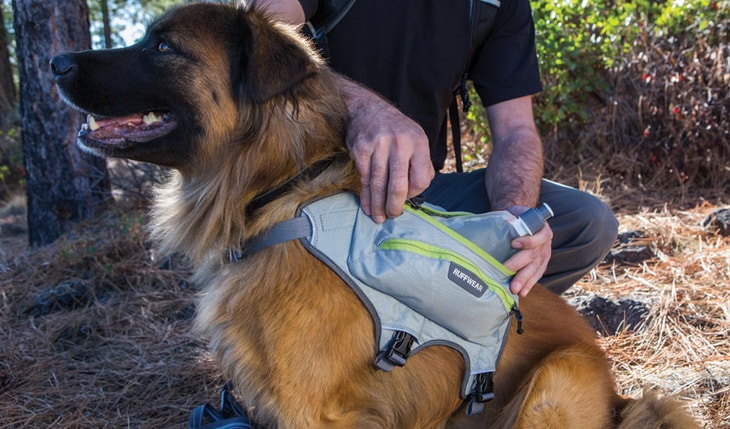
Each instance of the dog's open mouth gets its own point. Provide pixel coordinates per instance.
(140, 127)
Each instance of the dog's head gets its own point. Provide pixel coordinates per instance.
(190, 79)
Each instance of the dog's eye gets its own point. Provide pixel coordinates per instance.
(164, 47)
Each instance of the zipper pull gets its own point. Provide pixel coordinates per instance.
(416, 202)
(518, 316)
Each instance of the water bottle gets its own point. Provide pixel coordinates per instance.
(494, 231)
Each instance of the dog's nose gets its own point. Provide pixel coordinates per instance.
(62, 65)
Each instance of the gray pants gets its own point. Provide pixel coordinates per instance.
(584, 228)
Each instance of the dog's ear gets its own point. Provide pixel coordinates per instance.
(270, 62)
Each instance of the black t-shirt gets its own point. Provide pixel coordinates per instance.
(415, 53)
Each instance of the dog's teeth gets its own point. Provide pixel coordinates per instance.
(150, 118)
(93, 126)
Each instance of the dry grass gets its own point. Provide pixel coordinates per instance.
(119, 353)
(682, 348)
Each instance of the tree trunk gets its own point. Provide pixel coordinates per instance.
(64, 185)
(7, 86)
(107, 25)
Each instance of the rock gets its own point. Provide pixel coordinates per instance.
(608, 317)
(718, 221)
(624, 252)
(630, 255)
(66, 296)
(627, 237)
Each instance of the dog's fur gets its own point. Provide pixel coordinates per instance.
(247, 105)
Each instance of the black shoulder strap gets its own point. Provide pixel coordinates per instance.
(456, 128)
(475, 36)
(329, 14)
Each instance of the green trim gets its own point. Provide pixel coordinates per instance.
(460, 238)
(434, 252)
(442, 213)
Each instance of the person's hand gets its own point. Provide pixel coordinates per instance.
(391, 154)
(531, 261)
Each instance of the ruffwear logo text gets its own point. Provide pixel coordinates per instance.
(467, 280)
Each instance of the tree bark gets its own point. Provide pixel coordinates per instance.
(7, 86)
(64, 185)
(107, 25)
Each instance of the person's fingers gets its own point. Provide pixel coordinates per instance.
(398, 185)
(526, 278)
(391, 153)
(378, 184)
(363, 163)
(531, 262)
(420, 172)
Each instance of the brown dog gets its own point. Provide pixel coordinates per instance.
(238, 105)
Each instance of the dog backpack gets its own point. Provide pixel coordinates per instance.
(422, 282)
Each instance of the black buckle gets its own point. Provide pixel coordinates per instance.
(483, 393)
(397, 351)
(518, 316)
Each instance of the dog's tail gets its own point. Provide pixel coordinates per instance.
(651, 411)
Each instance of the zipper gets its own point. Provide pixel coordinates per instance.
(421, 213)
(417, 203)
(435, 252)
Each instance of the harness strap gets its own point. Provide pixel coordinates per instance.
(307, 174)
(290, 229)
(483, 392)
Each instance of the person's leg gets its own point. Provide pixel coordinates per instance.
(584, 228)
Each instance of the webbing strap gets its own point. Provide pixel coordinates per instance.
(290, 229)
(456, 134)
(307, 174)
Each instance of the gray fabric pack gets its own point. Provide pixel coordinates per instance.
(416, 275)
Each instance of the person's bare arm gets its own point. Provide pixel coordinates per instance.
(390, 150)
(513, 178)
(286, 10)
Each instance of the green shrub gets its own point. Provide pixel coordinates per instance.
(637, 86)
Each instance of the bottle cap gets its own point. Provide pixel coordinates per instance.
(534, 219)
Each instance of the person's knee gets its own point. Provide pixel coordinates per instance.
(600, 228)
(583, 237)
(603, 226)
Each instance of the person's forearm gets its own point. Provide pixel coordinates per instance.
(286, 10)
(359, 99)
(515, 167)
(515, 171)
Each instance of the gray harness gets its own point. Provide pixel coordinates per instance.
(422, 283)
